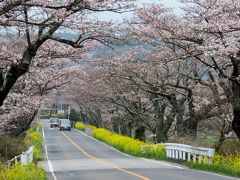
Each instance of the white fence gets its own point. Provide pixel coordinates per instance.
(187, 152)
(24, 158)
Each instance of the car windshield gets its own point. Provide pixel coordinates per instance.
(65, 121)
(54, 120)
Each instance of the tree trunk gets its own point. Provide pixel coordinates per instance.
(236, 122)
(115, 122)
(18, 126)
(126, 129)
(140, 133)
(11, 75)
(180, 123)
(10, 79)
(191, 126)
(236, 97)
(161, 135)
(83, 116)
(99, 118)
(220, 141)
(161, 130)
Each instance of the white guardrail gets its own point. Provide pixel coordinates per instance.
(187, 152)
(24, 158)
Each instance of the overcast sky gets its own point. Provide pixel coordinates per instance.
(175, 4)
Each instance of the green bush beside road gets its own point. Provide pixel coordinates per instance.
(11, 147)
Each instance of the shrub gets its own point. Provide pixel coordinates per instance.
(129, 145)
(80, 126)
(23, 172)
(10, 147)
(230, 146)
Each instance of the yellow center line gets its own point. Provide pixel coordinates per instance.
(105, 162)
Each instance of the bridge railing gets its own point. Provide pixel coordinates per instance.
(24, 158)
(183, 152)
(189, 153)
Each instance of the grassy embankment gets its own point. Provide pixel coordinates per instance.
(31, 171)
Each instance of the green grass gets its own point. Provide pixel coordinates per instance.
(217, 168)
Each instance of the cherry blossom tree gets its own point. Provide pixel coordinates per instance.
(146, 91)
(38, 23)
(29, 92)
(85, 94)
(40, 41)
(208, 32)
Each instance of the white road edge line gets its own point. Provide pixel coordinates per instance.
(154, 161)
(206, 172)
(163, 163)
(49, 162)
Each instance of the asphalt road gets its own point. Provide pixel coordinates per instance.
(72, 155)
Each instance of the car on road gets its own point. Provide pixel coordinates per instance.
(54, 122)
(65, 124)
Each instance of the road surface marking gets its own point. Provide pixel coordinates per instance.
(163, 163)
(150, 160)
(105, 144)
(49, 162)
(205, 172)
(105, 162)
